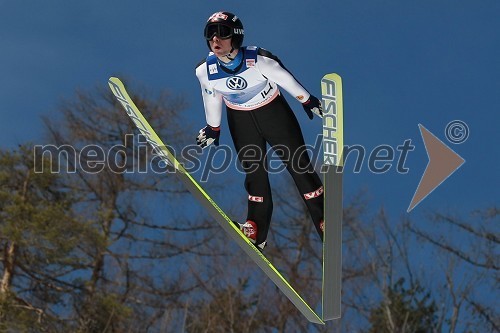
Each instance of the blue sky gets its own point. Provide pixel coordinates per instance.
(402, 62)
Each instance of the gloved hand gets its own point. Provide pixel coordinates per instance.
(207, 136)
(313, 105)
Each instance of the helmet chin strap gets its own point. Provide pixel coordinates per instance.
(228, 55)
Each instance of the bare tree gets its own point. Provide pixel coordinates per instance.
(40, 241)
(120, 184)
(466, 249)
(96, 235)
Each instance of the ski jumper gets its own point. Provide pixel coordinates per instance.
(258, 115)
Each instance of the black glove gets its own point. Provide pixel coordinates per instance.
(207, 136)
(313, 105)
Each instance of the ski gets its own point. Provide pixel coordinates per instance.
(333, 163)
(215, 211)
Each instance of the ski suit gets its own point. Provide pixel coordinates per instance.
(258, 115)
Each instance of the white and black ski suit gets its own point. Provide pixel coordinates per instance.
(258, 115)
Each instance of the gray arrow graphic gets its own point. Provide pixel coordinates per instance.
(443, 162)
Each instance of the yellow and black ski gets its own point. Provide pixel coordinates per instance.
(333, 163)
(215, 211)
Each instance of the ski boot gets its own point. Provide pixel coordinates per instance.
(249, 229)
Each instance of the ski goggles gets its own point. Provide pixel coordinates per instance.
(219, 30)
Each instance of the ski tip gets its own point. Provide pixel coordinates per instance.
(332, 76)
(114, 79)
